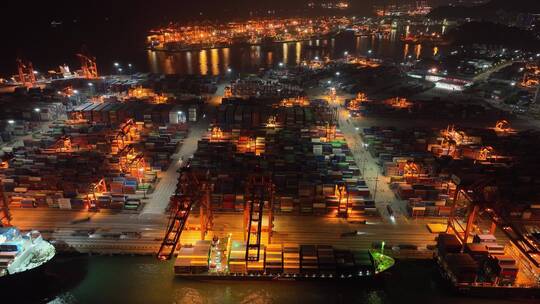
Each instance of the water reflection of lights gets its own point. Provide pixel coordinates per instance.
(216, 61)
(203, 62)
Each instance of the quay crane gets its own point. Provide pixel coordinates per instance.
(88, 65)
(27, 75)
(475, 190)
(191, 189)
(259, 191)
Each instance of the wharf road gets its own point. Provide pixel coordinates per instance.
(483, 76)
(371, 172)
(159, 199)
(105, 230)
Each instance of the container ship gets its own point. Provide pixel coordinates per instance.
(23, 256)
(225, 259)
(483, 268)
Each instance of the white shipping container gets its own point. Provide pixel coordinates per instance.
(192, 114)
(64, 203)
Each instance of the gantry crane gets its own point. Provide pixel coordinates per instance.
(88, 65)
(411, 169)
(63, 144)
(259, 190)
(191, 189)
(25, 69)
(99, 187)
(341, 193)
(123, 133)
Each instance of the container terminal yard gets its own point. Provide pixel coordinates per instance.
(308, 172)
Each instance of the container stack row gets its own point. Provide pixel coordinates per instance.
(305, 180)
(264, 88)
(111, 112)
(482, 261)
(60, 168)
(274, 258)
(193, 259)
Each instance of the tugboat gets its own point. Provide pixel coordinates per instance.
(23, 256)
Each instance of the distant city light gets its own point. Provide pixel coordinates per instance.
(36, 72)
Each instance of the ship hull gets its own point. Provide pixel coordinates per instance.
(24, 278)
(266, 278)
(486, 291)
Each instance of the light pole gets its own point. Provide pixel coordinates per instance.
(141, 171)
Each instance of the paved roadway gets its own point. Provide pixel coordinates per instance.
(159, 199)
(106, 228)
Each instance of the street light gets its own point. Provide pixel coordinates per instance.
(120, 70)
(116, 64)
(129, 65)
(281, 64)
(37, 110)
(141, 171)
(90, 84)
(345, 53)
(316, 57)
(329, 81)
(11, 121)
(75, 91)
(337, 73)
(229, 70)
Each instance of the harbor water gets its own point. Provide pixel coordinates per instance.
(128, 279)
(239, 58)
